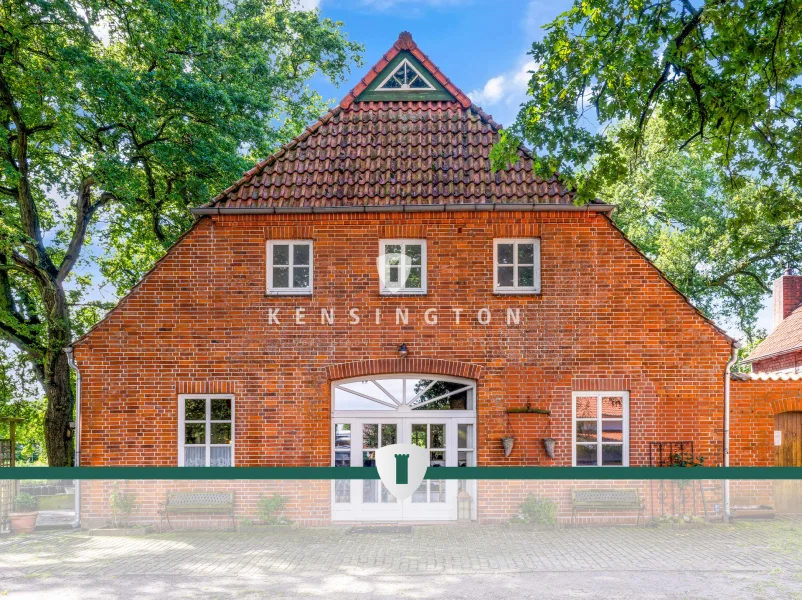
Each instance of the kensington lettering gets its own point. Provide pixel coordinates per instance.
(401, 316)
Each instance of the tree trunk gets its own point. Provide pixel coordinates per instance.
(60, 401)
(57, 383)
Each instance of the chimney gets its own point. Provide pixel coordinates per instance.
(787, 295)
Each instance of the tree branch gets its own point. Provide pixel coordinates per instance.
(84, 211)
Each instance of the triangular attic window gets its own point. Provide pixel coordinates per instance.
(404, 78)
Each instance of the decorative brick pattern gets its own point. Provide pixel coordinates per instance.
(429, 366)
(601, 385)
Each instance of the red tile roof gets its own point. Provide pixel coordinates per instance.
(787, 337)
(393, 153)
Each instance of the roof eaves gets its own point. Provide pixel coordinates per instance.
(753, 358)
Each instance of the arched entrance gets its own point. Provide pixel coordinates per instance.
(432, 411)
(788, 453)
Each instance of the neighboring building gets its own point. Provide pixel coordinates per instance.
(781, 351)
(375, 282)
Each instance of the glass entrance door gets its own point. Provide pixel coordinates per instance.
(433, 412)
(449, 443)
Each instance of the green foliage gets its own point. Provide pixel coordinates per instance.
(269, 508)
(115, 119)
(721, 246)
(724, 75)
(24, 502)
(122, 505)
(686, 460)
(541, 511)
(21, 397)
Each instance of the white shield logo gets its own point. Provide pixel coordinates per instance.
(402, 468)
(393, 271)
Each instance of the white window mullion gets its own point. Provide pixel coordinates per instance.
(599, 431)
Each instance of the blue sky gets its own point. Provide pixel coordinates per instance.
(480, 45)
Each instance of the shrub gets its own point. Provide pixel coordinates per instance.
(269, 507)
(122, 504)
(25, 503)
(537, 510)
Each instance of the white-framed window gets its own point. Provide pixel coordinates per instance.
(205, 430)
(516, 266)
(289, 267)
(600, 435)
(402, 266)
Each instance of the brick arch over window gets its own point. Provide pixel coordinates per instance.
(386, 366)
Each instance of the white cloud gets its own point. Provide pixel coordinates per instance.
(506, 90)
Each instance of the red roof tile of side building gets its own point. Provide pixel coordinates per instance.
(389, 153)
(787, 337)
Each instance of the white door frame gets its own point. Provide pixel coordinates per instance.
(404, 417)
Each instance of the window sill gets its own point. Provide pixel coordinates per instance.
(290, 293)
(513, 292)
(403, 293)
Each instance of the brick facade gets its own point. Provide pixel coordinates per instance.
(198, 323)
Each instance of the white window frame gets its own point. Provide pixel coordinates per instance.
(405, 87)
(208, 429)
(515, 288)
(290, 291)
(404, 242)
(624, 426)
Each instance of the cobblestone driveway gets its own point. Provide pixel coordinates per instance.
(29, 562)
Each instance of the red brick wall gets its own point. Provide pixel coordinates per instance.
(754, 402)
(789, 363)
(787, 296)
(307, 502)
(499, 501)
(198, 323)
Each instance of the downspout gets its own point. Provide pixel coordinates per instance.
(77, 441)
(727, 379)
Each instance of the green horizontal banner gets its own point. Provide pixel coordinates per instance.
(497, 473)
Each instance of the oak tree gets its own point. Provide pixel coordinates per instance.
(116, 116)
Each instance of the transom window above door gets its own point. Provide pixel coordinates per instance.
(289, 267)
(413, 392)
(516, 266)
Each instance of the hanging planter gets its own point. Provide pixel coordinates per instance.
(508, 443)
(548, 444)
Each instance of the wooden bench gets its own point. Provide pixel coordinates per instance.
(198, 503)
(606, 500)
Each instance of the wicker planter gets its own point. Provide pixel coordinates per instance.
(548, 445)
(508, 443)
(23, 522)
